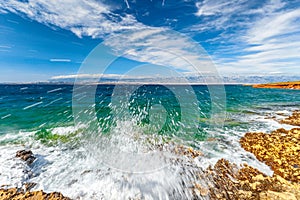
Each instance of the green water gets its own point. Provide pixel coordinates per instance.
(43, 107)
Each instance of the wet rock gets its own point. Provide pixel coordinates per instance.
(294, 119)
(15, 194)
(26, 155)
(187, 151)
(29, 186)
(276, 196)
(200, 190)
(279, 149)
(229, 181)
(211, 139)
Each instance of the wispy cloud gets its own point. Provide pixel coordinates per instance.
(218, 15)
(97, 77)
(155, 45)
(90, 18)
(275, 25)
(265, 38)
(160, 46)
(211, 7)
(85, 76)
(60, 60)
(5, 47)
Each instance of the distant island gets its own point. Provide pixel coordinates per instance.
(284, 85)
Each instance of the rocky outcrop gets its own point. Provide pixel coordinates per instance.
(24, 193)
(15, 194)
(228, 181)
(279, 149)
(294, 119)
(187, 151)
(282, 85)
(26, 155)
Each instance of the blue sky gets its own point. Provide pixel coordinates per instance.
(40, 39)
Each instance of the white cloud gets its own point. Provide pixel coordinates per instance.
(117, 77)
(161, 46)
(212, 7)
(276, 42)
(275, 25)
(85, 76)
(264, 39)
(92, 18)
(269, 8)
(218, 15)
(5, 46)
(59, 60)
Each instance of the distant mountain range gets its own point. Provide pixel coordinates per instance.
(188, 79)
(207, 79)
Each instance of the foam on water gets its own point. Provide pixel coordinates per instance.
(79, 174)
(90, 168)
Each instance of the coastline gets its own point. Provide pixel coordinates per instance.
(16, 194)
(278, 149)
(280, 85)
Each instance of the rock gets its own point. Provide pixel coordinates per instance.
(187, 151)
(211, 139)
(26, 155)
(200, 190)
(271, 195)
(279, 149)
(294, 119)
(29, 186)
(230, 182)
(282, 85)
(14, 194)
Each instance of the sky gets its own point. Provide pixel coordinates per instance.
(42, 39)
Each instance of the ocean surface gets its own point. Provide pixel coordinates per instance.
(116, 142)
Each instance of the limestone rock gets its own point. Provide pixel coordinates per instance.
(26, 155)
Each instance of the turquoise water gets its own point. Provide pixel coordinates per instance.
(76, 150)
(35, 107)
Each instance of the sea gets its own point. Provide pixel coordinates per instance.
(119, 141)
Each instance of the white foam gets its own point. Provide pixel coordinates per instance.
(79, 174)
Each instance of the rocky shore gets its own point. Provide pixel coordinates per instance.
(24, 193)
(15, 194)
(279, 149)
(294, 119)
(281, 85)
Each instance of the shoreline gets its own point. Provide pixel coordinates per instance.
(280, 85)
(278, 149)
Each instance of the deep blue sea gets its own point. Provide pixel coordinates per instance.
(89, 143)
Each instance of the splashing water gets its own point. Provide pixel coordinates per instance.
(120, 157)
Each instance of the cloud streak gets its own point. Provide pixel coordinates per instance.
(265, 38)
(250, 37)
(59, 60)
(91, 18)
(126, 36)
